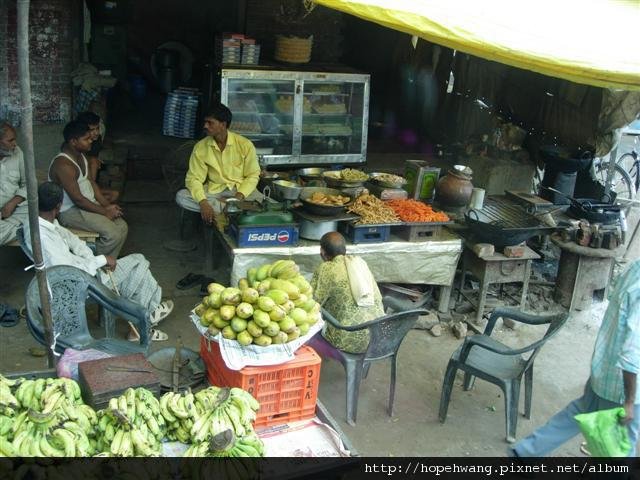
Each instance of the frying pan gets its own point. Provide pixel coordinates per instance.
(499, 235)
(591, 209)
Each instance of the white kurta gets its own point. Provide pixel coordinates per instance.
(12, 182)
(132, 277)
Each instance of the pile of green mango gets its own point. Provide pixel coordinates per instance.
(273, 304)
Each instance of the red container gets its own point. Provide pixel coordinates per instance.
(286, 392)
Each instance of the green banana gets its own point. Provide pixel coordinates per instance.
(164, 410)
(116, 443)
(6, 448)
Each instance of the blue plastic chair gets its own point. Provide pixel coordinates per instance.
(386, 336)
(484, 357)
(70, 290)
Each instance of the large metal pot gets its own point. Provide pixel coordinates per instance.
(315, 230)
(287, 190)
(309, 174)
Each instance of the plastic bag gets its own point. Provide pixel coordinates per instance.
(604, 435)
(68, 364)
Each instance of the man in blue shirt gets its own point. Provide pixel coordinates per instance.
(614, 370)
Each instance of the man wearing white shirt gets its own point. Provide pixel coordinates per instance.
(129, 274)
(13, 185)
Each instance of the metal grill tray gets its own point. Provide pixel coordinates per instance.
(323, 218)
(502, 212)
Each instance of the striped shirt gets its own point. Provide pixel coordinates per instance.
(618, 344)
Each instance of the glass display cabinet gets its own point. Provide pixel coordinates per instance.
(299, 118)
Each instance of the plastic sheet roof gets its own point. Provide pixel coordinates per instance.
(593, 42)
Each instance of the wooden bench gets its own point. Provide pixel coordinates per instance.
(89, 237)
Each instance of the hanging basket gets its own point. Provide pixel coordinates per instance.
(293, 49)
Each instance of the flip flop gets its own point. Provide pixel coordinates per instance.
(189, 281)
(9, 318)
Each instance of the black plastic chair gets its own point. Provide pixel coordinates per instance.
(71, 288)
(386, 336)
(484, 357)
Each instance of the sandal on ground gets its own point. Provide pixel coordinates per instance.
(161, 312)
(9, 318)
(155, 335)
(158, 335)
(189, 281)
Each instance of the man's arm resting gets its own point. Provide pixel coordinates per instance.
(630, 382)
(66, 174)
(8, 208)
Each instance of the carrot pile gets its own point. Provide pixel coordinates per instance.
(415, 211)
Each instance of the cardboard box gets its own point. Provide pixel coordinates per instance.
(421, 180)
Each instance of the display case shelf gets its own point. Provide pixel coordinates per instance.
(290, 106)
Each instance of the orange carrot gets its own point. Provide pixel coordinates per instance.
(416, 212)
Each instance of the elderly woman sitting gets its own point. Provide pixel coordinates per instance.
(345, 287)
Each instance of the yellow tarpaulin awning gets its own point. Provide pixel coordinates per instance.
(594, 42)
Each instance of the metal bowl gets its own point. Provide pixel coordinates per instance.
(316, 208)
(287, 190)
(307, 174)
(375, 179)
(333, 180)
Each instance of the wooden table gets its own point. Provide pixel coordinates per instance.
(495, 269)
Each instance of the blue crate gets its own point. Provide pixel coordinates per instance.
(285, 235)
(365, 233)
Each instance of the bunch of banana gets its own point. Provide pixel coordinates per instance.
(131, 425)
(7, 417)
(37, 434)
(234, 409)
(7, 399)
(227, 444)
(180, 412)
(48, 395)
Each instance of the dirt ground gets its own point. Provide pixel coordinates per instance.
(475, 424)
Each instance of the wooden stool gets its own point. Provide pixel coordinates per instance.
(495, 269)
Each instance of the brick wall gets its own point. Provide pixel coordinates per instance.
(50, 40)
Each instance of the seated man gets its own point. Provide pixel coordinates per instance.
(222, 165)
(13, 185)
(130, 275)
(345, 287)
(83, 205)
(93, 155)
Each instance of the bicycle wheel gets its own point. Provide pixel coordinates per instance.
(621, 183)
(631, 165)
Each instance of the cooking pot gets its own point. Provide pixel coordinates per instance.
(455, 188)
(319, 209)
(315, 230)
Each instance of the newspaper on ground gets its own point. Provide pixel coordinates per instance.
(306, 438)
(236, 356)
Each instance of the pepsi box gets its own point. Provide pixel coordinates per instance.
(284, 235)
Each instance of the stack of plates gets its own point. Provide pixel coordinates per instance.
(250, 54)
(293, 49)
(180, 113)
(228, 50)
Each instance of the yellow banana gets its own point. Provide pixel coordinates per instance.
(140, 444)
(126, 448)
(176, 408)
(122, 404)
(109, 432)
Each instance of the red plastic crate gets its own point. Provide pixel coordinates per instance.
(286, 392)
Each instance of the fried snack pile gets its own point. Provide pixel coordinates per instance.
(324, 199)
(372, 210)
(415, 211)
